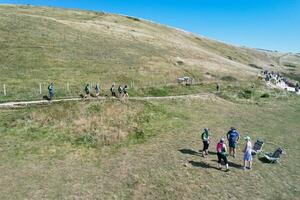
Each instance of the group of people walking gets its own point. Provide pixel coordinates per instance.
(233, 137)
(122, 90)
(280, 80)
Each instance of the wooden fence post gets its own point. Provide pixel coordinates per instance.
(4, 89)
(40, 88)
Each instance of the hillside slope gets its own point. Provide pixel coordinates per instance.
(42, 44)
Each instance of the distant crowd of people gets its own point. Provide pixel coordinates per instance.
(233, 137)
(280, 80)
(122, 91)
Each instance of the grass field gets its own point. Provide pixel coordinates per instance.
(145, 150)
(140, 149)
(40, 44)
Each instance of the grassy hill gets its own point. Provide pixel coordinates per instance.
(141, 149)
(42, 44)
(145, 150)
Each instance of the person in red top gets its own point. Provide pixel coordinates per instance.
(222, 154)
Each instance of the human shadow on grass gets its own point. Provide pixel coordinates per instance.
(202, 164)
(232, 164)
(45, 97)
(193, 152)
(189, 151)
(265, 160)
(212, 153)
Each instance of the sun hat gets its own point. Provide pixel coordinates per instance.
(247, 138)
(222, 140)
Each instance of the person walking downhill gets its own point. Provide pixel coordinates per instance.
(87, 90)
(113, 90)
(205, 136)
(125, 91)
(233, 137)
(51, 91)
(218, 87)
(247, 153)
(97, 90)
(120, 90)
(222, 154)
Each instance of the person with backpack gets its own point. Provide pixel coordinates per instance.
(248, 153)
(87, 90)
(97, 89)
(233, 137)
(120, 90)
(51, 91)
(222, 154)
(125, 91)
(205, 136)
(113, 90)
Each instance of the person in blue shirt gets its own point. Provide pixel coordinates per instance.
(97, 89)
(233, 137)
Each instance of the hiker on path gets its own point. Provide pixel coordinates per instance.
(51, 91)
(233, 137)
(125, 91)
(205, 136)
(120, 90)
(297, 88)
(222, 154)
(218, 87)
(113, 90)
(97, 89)
(87, 90)
(247, 153)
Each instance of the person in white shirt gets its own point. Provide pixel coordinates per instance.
(247, 153)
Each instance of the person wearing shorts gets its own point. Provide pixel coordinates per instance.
(205, 139)
(222, 154)
(125, 91)
(248, 153)
(233, 137)
(97, 89)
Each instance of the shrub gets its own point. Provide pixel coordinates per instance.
(290, 65)
(87, 140)
(180, 62)
(265, 95)
(293, 76)
(255, 66)
(133, 18)
(246, 94)
(229, 79)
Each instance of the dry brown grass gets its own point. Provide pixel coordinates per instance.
(80, 47)
(40, 160)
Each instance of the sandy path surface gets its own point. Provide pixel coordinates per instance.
(40, 102)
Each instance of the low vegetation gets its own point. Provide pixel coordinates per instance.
(136, 149)
(39, 45)
(145, 150)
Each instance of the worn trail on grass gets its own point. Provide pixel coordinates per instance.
(15, 104)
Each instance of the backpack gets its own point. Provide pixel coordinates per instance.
(202, 136)
(219, 147)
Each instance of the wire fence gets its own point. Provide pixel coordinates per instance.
(14, 91)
